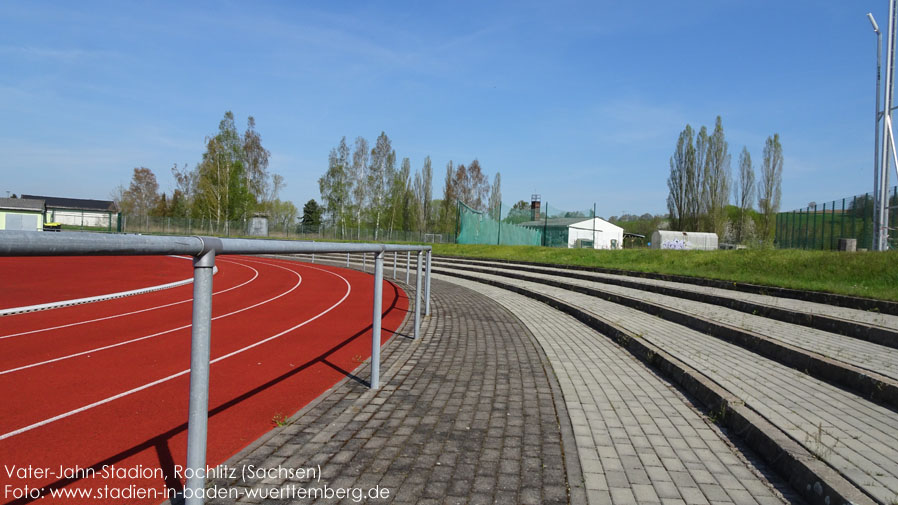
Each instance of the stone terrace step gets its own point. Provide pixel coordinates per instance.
(856, 437)
(639, 439)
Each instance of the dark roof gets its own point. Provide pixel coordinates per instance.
(76, 203)
(22, 204)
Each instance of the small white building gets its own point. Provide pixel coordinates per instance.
(22, 214)
(579, 232)
(692, 240)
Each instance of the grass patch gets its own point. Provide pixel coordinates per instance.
(865, 274)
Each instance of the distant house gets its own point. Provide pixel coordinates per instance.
(22, 214)
(595, 233)
(80, 212)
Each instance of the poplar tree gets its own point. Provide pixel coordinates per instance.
(359, 176)
(449, 203)
(696, 174)
(426, 196)
(745, 191)
(335, 186)
(495, 207)
(770, 185)
(255, 159)
(379, 168)
(681, 163)
(717, 179)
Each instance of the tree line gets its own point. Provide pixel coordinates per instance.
(700, 184)
(363, 188)
(231, 182)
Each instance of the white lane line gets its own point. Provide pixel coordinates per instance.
(99, 298)
(145, 337)
(255, 274)
(170, 377)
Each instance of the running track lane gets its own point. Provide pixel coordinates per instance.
(26, 279)
(147, 429)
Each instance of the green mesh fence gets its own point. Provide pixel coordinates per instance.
(820, 226)
(555, 223)
(477, 227)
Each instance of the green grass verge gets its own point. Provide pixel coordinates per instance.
(866, 274)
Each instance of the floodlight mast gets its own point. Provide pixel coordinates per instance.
(876, 117)
(881, 198)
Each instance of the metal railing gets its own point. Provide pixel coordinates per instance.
(204, 250)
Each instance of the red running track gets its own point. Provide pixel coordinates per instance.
(105, 384)
(32, 281)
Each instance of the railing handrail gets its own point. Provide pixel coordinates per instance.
(35, 243)
(204, 250)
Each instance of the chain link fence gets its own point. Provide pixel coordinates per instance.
(820, 226)
(153, 225)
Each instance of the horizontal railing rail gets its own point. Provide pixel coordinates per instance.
(204, 250)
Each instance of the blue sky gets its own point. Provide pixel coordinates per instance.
(581, 102)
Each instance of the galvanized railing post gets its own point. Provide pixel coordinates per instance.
(200, 344)
(418, 297)
(375, 319)
(427, 287)
(364, 262)
(408, 260)
(347, 260)
(395, 256)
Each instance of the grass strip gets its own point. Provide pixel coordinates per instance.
(865, 274)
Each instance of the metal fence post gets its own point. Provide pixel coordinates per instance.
(200, 344)
(395, 259)
(418, 297)
(842, 219)
(375, 319)
(347, 260)
(408, 260)
(364, 262)
(427, 287)
(832, 226)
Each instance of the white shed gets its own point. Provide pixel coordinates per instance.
(694, 240)
(579, 232)
(607, 235)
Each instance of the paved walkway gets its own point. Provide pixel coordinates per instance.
(857, 437)
(467, 414)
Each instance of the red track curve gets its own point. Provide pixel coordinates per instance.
(147, 428)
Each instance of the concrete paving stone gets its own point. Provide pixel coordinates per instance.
(477, 366)
(622, 496)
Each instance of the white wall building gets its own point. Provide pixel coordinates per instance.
(667, 239)
(569, 230)
(607, 235)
